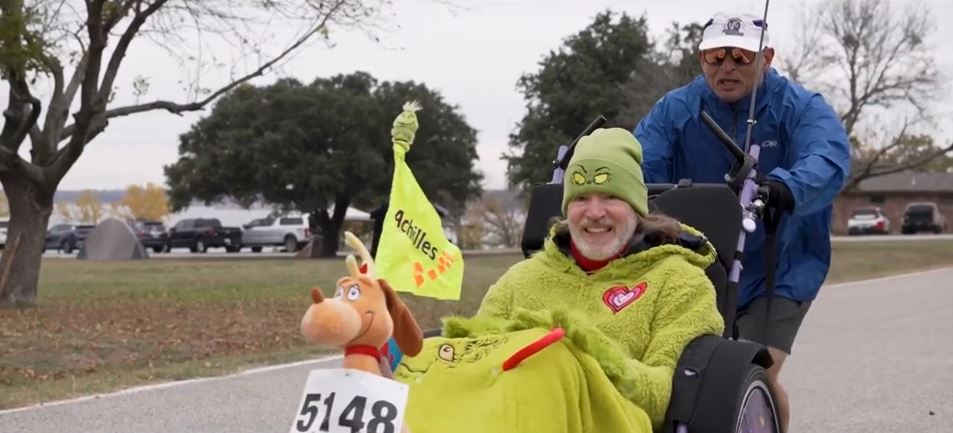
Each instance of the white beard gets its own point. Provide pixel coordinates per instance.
(623, 232)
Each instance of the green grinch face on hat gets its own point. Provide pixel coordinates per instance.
(607, 161)
(601, 175)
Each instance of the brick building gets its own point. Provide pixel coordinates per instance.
(891, 193)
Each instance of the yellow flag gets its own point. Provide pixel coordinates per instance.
(414, 255)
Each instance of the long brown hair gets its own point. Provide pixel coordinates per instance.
(658, 227)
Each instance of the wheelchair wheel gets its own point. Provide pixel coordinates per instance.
(758, 412)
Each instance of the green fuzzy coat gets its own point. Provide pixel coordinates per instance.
(677, 304)
(626, 326)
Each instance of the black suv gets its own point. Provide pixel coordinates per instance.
(923, 216)
(151, 234)
(67, 237)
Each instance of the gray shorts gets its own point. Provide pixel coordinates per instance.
(782, 326)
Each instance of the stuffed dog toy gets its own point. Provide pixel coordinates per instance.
(362, 316)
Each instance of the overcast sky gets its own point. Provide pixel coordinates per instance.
(472, 56)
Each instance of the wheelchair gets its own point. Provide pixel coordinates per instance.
(720, 384)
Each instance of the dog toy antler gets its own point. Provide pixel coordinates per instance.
(367, 266)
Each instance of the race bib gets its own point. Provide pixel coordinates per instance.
(349, 401)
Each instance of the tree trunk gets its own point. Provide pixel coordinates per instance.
(30, 209)
(330, 227)
(329, 244)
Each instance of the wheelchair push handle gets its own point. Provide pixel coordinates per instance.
(744, 162)
(563, 160)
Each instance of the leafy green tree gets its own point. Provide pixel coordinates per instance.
(678, 61)
(320, 148)
(612, 68)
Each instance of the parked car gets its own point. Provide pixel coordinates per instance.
(923, 216)
(67, 237)
(151, 234)
(868, 220)
(4, 225)
(200, 234)
(289, 231)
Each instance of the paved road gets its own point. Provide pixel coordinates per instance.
(255, 402)
(875, 357)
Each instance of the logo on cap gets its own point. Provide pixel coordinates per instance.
(733, 27)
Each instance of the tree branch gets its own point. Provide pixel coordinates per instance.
(59, 107)
(18, 124)
(91, 101)
(43, 149)
(112, 68)
(92, 133)
(10, 162)
(35, 135)
(111, 20)
(897, 140)
(903, 167)
(870, 173)
(78, 75)
(179, 108)
(28, 124)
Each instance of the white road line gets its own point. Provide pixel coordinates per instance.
(163, 385)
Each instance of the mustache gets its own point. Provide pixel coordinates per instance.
(600, 223)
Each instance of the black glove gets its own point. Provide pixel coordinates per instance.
(778, 195)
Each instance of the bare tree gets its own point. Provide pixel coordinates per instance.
(874, 65)
(502, 218)
(77, 49)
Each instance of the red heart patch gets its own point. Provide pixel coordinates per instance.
(619, 297)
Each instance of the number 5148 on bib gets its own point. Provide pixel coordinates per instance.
(350, 401)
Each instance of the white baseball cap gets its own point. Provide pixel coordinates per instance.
(741, 31)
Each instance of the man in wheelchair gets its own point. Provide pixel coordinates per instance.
(587, 334)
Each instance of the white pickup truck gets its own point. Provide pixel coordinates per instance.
(292, 232)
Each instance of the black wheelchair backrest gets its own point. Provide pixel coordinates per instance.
(713, 209)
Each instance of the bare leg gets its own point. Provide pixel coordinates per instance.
(781, 396)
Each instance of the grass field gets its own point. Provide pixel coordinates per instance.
(103, 326)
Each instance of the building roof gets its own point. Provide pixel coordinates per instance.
(908, 181)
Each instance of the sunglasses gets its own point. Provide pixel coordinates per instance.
(716, 56)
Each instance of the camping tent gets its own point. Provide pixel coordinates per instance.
(112, 239)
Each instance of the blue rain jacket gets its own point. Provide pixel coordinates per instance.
(803, 144)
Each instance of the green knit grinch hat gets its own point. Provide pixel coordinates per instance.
(607, 161)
